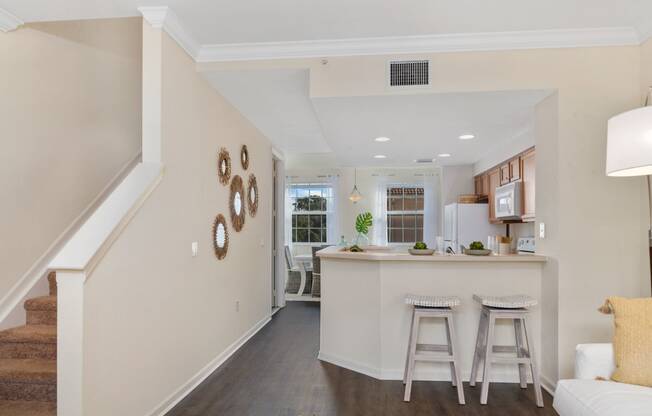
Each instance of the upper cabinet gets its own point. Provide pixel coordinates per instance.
(515, 169)
(504, 174)
(493, 181)
(519, 168)
(482, 185)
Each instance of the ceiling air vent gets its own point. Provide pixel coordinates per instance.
(423, 161)
(409, 73)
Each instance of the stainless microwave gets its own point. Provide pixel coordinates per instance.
(508, 202)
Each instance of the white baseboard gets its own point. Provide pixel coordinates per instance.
(548, 385)
(33, 283)
(498, 374)
(350, 365)
(202, 374)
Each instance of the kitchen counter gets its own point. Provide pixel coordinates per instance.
(403, 255)
(365, 321)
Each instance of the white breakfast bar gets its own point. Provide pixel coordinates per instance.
(365, 321)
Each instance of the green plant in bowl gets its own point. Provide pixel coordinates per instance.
(420, 245)
(476, 245)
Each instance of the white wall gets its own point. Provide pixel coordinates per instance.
(70, 111)
(368, 182)
(456, 181)
(154, 315)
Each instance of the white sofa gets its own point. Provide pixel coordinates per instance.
(586, 396)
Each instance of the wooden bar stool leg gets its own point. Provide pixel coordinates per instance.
(533, 368)
(522, 373)
(455, 368)
(413, 348)
(488, 352)
(480, 340)
(407, 354)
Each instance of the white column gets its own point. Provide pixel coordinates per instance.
(70, 342)
(152, 81)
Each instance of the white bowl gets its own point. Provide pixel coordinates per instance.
(418, 252)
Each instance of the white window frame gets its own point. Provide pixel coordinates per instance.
(324, 227)
(388, 213)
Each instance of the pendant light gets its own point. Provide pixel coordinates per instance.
(355, 194)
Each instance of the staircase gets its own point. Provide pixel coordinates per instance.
(28, 360)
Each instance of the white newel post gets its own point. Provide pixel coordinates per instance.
(70, 338)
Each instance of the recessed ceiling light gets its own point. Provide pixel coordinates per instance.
(444, 155)
(382, 139)
(380, 157)
(467, 137)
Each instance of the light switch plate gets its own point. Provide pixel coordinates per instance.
(542, 230)
(195, 248)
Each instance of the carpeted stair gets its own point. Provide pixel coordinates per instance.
(28, 360)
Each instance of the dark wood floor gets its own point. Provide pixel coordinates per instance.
(277, 374)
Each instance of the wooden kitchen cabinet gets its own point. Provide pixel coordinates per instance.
(528, 171)
(515, 169)
(493, 178)
(519, 168)
(482, 185)
(479, 190)
(504, 174)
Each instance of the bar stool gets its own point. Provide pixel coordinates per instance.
(432, 307)
(505, 307)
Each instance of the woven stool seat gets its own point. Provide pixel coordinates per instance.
(506, 302)
(424, 301)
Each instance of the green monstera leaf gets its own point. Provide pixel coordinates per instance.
(363, 222)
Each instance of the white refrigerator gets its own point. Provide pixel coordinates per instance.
(465, 223)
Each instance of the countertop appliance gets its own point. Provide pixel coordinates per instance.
(465, 223)
(526, 245)
(508, 201)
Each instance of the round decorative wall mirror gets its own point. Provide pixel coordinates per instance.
(220, 237)
(252, 195)
(224, 166)
(237, 203)
(244, 157)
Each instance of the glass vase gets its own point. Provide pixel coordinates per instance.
(361, 240)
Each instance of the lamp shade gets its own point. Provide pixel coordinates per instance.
(629, 143)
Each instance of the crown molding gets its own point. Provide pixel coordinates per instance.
(8, 21)
(162, 17)
(491, 41)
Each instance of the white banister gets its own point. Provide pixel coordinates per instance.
(84, 249)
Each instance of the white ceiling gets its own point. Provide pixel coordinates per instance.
(424, 126)
(277, 103)
(228, 21)
(420, 125)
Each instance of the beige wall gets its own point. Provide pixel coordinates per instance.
(646, 67)
(70, 114)
(154, 315)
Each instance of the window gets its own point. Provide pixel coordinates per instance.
(310, 204)
(404, 214)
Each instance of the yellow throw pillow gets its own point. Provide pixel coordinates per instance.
(632, 339)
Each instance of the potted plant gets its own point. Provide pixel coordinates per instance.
(363, 222)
